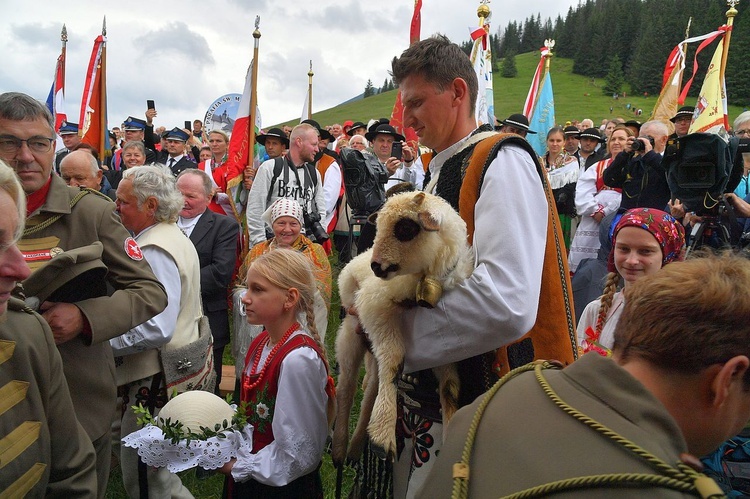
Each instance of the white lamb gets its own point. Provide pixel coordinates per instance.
(420, 249)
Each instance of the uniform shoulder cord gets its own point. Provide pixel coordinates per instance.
(41, 226)
(681, 478)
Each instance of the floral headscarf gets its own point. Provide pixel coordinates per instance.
(667, 231)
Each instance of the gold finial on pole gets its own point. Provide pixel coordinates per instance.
(104, 26)
(550, 44)
(64, 35)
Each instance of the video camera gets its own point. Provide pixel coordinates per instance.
(701, 167)
(364, 181)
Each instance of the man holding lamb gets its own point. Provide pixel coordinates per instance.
(519, 289)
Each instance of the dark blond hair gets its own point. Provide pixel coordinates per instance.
(689, 315)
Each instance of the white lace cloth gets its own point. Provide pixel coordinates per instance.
(210, 454)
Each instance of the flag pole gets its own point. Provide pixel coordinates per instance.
(103, 135)
(309, 91)
(250, 168)
(731, 13)
(64, 40)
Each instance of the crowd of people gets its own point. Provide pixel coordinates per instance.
(119, 269)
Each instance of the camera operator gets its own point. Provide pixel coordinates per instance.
(638, 171)
(401, 167)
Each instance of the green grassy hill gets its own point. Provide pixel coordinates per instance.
(576, 98)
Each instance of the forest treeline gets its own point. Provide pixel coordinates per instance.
(637, 35)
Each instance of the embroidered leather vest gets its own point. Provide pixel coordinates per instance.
(261, 399)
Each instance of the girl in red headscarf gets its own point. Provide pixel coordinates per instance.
(643, 241)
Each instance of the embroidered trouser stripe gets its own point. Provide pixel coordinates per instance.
(25, 482)
(17, 441)
(12, 393)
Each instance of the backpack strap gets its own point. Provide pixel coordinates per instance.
(278, 165)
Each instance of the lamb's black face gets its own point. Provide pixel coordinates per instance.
(406, 229)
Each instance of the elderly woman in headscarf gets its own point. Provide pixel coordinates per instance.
(286, 220)
(148, 202)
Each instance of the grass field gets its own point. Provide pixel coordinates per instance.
(576, 98)
(212, 486)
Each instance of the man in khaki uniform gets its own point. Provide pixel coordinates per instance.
(83, 315)
(57, 458)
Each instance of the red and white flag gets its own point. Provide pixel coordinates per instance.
(93, 122)
(397, 114)
(528, 106)
(56, 98)
(238, 155)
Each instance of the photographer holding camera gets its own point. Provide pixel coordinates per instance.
(395, 155)
(638, 170)
(291, 176)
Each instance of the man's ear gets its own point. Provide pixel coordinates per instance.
(727, 377)
(460, 91)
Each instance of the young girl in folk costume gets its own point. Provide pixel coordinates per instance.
(562, 169)
(286, 383)
(643, 241)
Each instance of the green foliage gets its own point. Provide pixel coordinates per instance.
(176, 431)
(509, 66)
(615, 79)
(369, 89)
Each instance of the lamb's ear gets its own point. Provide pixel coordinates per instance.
(418, 198)
(373, 218)
(429, 221)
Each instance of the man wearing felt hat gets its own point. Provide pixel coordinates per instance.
(400, 169)
(682, 120)
(588, 140)
(571, 140)
(176, 159)
(69, 133)
(357, 128)
(275, 141)
(515, 123)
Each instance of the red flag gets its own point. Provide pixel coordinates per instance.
(93, 121)
(397, 115)
(56, 99)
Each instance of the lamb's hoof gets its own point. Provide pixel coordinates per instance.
(381, 453)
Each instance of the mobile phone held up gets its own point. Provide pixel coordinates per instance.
(150, 104)
(396, 150)
(188, 125)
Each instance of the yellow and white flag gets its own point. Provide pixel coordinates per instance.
(711, 109)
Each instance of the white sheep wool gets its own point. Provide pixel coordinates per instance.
(194, 409)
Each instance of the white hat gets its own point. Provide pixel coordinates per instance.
(283, 207)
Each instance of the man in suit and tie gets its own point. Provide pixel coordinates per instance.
(176, 159)
(216, 239)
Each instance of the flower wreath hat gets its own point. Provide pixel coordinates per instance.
(195, 428)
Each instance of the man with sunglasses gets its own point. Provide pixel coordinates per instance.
(83, 314)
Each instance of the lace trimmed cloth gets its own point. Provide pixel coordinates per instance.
(213, 453)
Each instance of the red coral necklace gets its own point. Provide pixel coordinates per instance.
(271, 355)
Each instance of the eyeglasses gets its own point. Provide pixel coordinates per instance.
(740, 133)
(10, 144)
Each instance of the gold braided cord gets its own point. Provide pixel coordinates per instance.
(657, 463)
(41, 226)
(461, 484)
(609, 480)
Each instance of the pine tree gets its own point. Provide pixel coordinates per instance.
(615, 77)
(384, 88)
(509, 69)
(369, 89)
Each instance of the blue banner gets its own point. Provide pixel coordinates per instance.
(543, 117)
